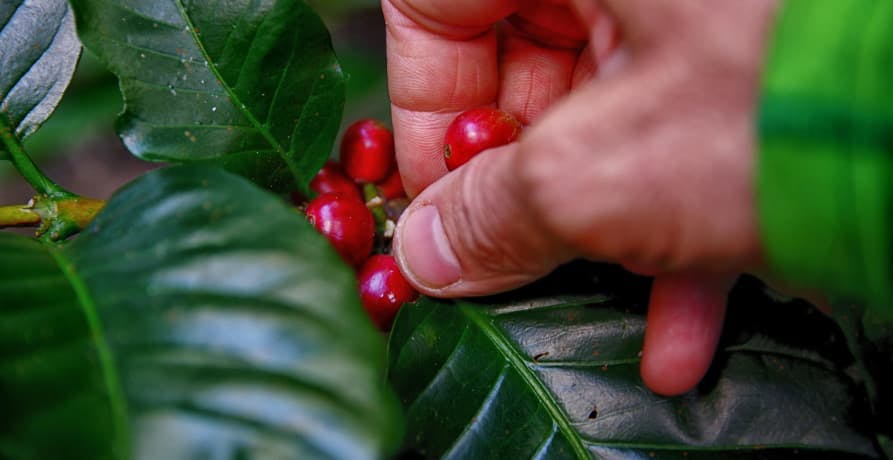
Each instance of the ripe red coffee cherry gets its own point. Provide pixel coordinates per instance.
(477, 130)
(331, 179)
(346, 222)
(392, 186)
(383, 290)
(367, 151)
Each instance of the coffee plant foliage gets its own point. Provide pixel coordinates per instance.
(198, 315)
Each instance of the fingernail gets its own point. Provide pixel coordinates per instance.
(425, 250)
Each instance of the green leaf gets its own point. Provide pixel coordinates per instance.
(38, 54)
(196, 317)
(869, 333)
(254, 86)
(86, 112)
(536, 375)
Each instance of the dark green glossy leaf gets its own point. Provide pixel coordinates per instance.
(86, 113)
(254, 86)
(869, 334)
(197, 317)
(38, 54)
(535, 375)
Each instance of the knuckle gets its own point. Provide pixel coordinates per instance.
(542, 174)
(488, 225)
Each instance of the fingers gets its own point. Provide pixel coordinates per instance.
(463, 235)
(609, 175)
(442, 59)
(621, 177)
(590, 189)
(456, 19)
(643, 22)
(433, 68)
(418, 141)
(533, 76)
(685, 317)
(513, 214)
(552, 24)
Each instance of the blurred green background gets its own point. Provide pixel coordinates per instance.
(78, 146)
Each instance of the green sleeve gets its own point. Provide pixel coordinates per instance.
(825, 167)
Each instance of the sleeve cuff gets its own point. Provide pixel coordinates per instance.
(825, 164)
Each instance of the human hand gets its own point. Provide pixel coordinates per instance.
(648, 164)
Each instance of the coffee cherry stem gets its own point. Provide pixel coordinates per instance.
(375, 203)
(384, 227)
(385, 222)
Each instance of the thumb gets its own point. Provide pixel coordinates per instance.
(473, 232)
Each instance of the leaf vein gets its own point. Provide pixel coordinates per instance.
(485, 406)
(229, 33)
(21, 78)
(544, 446)
(220, 368)
(281, 81)
(530, 379)
(559, 305)
(584, 364)
(251, 49)
(221, 417)
(262, 129)
(112, 39)
(140, 15)
(306, 104)
(69, 15)
(443, 369)
(103, 350)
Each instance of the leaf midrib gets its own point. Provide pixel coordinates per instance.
(517, 362)
(241, 107)
(104, 353)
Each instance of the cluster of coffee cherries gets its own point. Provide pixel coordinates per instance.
(360, 199)
(357, 204)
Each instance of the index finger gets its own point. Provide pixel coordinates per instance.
(442, 60)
